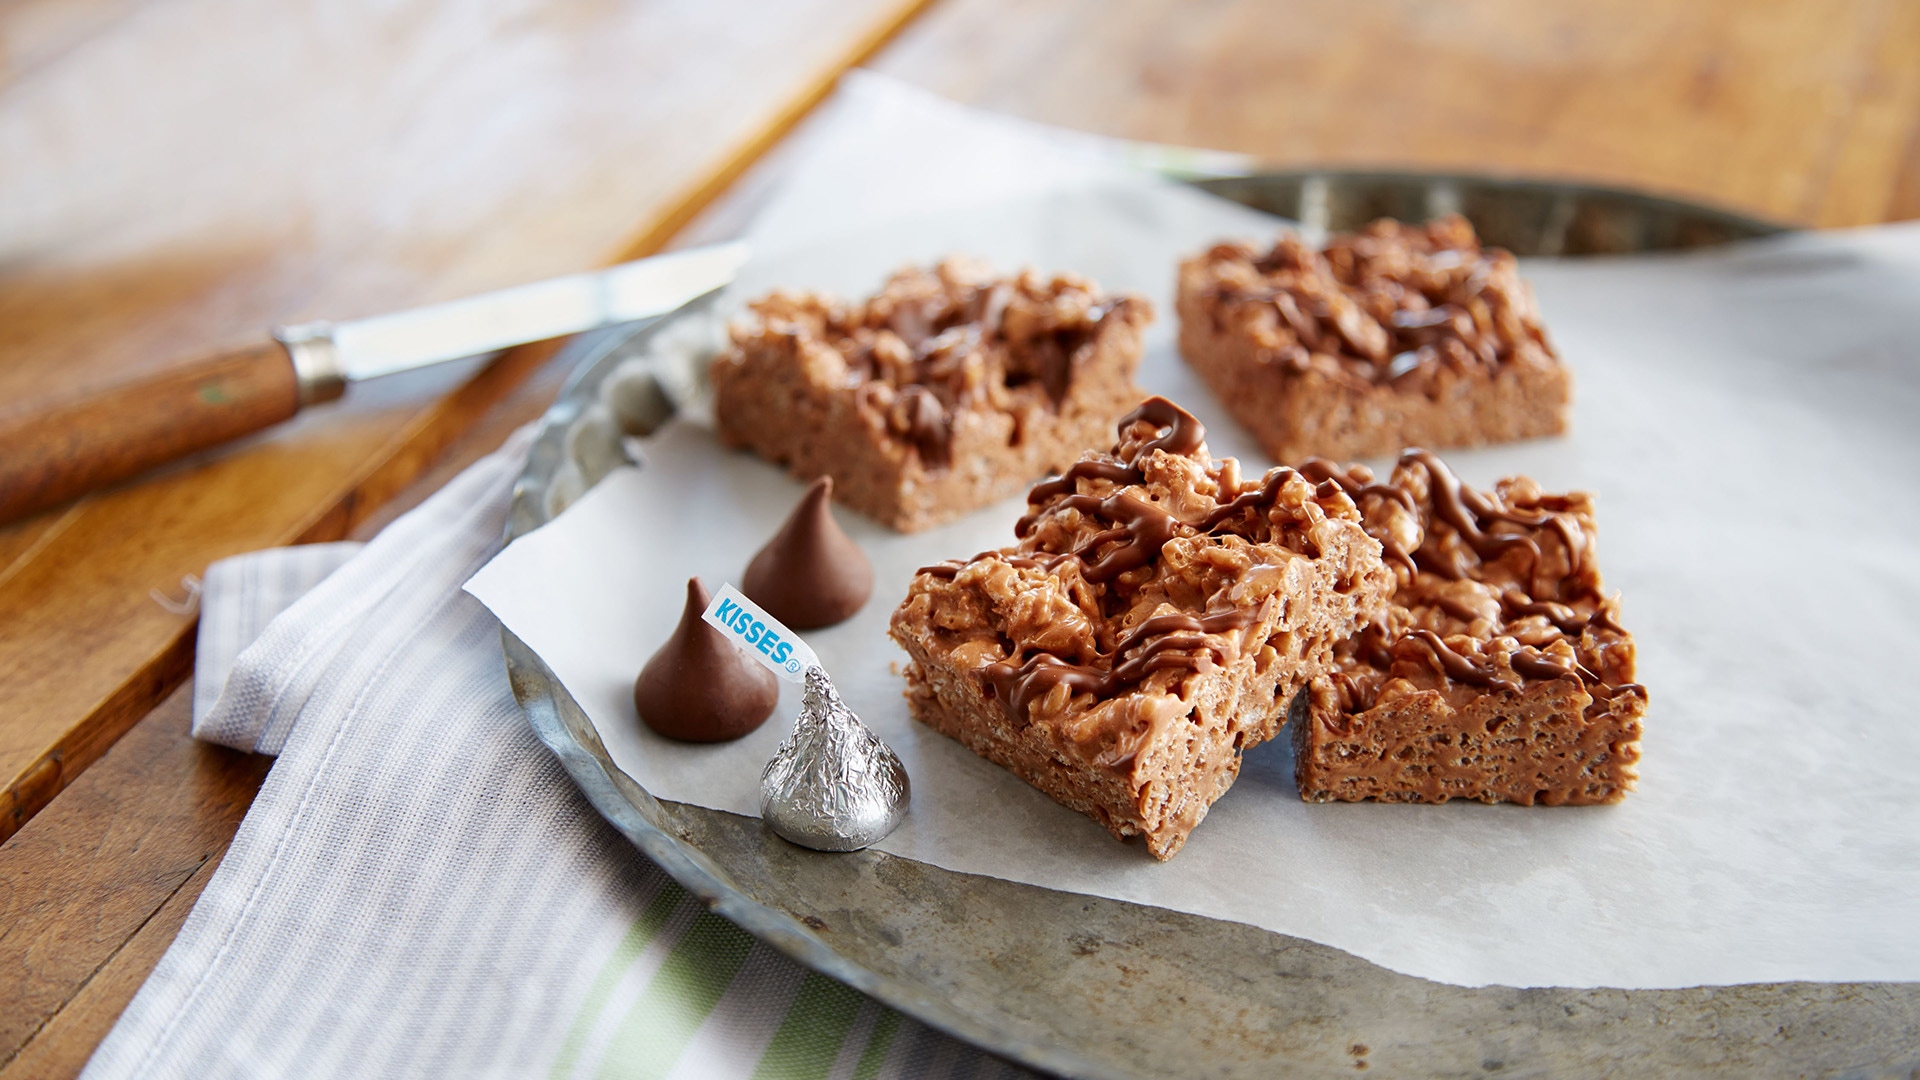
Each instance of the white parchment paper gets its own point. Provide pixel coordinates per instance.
(1747, 420)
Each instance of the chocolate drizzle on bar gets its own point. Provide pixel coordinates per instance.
(1064, 484)
(1142, 529)
(1459, 668)
(1465, 534)
(1184, 431)
(1392, 303)
(1177, 640)
(934, 344)
(1137, 533)
(1325, 472)
(1486, 563)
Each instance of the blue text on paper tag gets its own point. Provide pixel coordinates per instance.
(763, 637)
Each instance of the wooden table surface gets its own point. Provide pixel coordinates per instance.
(176, 175)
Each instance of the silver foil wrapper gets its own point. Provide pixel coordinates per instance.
(833, 785)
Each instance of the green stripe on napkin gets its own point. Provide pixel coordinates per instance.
(678, 1000)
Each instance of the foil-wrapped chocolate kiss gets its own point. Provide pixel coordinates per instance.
(833, 785)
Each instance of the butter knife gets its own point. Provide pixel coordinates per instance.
(79, 443)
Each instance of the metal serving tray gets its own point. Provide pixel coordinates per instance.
(1083, 986)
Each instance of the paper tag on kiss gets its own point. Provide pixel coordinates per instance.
(763, 637)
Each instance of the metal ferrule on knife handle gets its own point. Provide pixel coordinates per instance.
(316, 361)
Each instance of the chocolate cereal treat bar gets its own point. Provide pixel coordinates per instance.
(1499, 671)
(1398, 335)
(1153, 621)
(950, 390)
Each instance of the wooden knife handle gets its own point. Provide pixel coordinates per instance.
(77, 444)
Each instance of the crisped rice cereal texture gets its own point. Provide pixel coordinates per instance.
(1398, 335)
(1498, 672)
(949, 390)
(1153, 621)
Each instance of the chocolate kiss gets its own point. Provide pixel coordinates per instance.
(810, 574)
(699, 687)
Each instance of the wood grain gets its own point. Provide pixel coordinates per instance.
(81, 881)
(61, 1047)
(49, 454)
(458, 149)
(1794, 111)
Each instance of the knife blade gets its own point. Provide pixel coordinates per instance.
(72, 446)
(386, 344)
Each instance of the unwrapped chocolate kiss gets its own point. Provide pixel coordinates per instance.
(810, 574)
(700, 687)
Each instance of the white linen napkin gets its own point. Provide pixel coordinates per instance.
(420, 890)
(253, 589)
